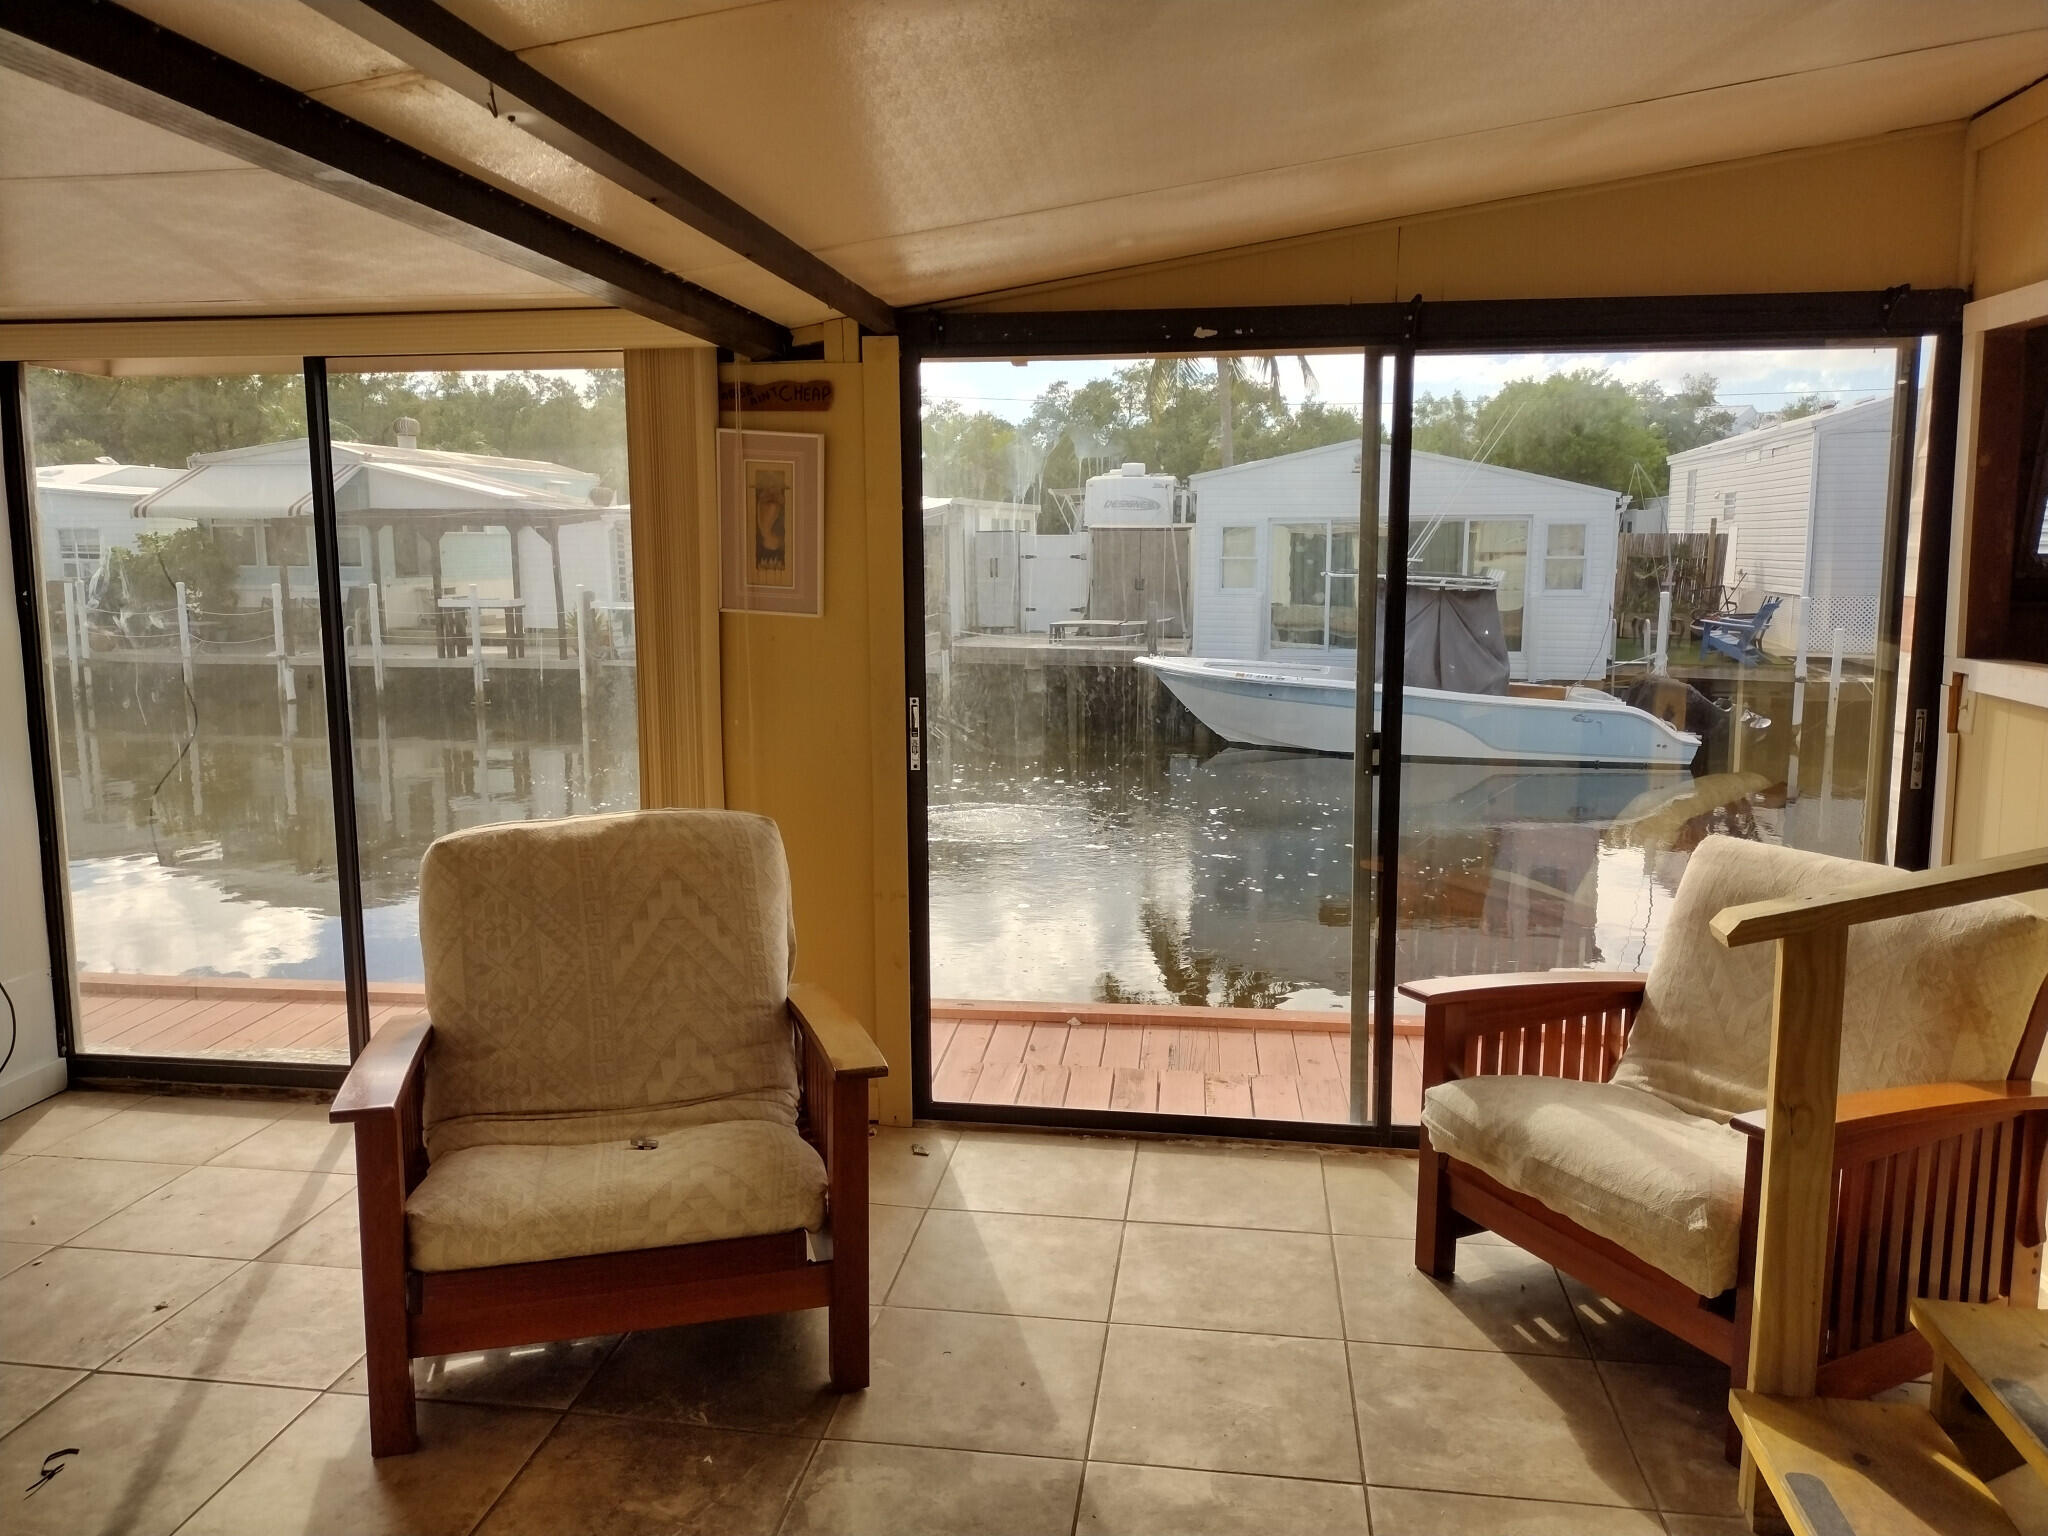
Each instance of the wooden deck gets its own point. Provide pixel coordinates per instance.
(1144, 1059)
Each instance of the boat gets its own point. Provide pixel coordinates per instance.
(1454, 638)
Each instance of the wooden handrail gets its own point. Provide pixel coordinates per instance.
(1893, 895)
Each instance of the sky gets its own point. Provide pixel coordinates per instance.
(1764, 379)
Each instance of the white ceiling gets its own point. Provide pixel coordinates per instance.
(933, 149)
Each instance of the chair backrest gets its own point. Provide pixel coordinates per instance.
(1935, 997)
(606, 976)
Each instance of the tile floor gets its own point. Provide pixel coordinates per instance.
(1070, 1335)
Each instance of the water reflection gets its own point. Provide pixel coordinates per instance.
(216, 859)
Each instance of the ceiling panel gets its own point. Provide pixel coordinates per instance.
(45, 131)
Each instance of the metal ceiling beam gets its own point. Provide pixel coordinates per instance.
(446, 48)
(100, 51)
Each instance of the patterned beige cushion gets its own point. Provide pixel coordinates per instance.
(520, 1204)
(1665, 1185)
(604, 977)
(1937, 997)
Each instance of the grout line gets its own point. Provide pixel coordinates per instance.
(796, 1486)
(224, 1483)
(1344, 1345)
(561, 1418)
(1116, 1277)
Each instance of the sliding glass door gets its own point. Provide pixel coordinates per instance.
(1142, 630)
(481, 610)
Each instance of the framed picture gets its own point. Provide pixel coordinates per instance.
(771, 511)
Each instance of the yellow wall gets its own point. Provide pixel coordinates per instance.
(1864, 215)
(2002, 782)
(2009, 237)
(811, 708)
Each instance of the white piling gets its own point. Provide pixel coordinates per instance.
(583, 629)
(1827, 758)
(185, 637)
(1663, 653)
(287, 684)
(476, 643)
(376, 606)
(1798, 716)
(72, 626)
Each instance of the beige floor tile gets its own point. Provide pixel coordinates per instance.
(295, 1142)
(854, 1489)
(905, 1164)
(1615, 1333)
(1470, 1421)
(1229, 1187)
(1121, 1500)
(633, 1477)
(272, 1325)
(232, 1213)
(78, 1307)
(1247, 1281)
(988, 1261)
(1038, 1175)
(758, 1373)
(170, 1130)
(150, 1452)
(890, 1229)
(49, 1200)
(43, 1125)
(333, 1238)
(1226, 1402)
(14, 1255)
(1410, 1512)
(26, 1389)
(318, 1478)
(974, 1382)
(1726, 1525)
(1370, 1194)
(1676, 1419)
(1501, 1298)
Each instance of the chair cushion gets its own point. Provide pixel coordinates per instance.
(1665, 1185)
(606, 976)
(1935, 997)
(505, 1204)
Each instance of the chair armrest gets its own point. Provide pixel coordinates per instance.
(1888, 1120)
(835, 1035)
(1539, 1022)
(389, 1066)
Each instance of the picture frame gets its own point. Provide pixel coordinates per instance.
(771, 518)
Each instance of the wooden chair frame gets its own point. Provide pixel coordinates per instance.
(1937, 1187)
(408, 1314)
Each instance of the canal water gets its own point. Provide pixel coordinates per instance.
(1150, 870)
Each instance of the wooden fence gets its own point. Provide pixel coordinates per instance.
(1691, 562)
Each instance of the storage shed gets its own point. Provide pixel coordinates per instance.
(1802, 503)
(1276, 556)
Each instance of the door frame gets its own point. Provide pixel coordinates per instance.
(1896, 317)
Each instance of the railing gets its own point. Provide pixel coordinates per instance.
(1812, 935)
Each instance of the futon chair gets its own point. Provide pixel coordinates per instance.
(1612, 1123)
(616, 1112)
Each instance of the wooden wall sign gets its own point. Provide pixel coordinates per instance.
(776, 395)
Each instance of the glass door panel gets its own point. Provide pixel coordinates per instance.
(1681, 555)
(487, 585)
(182, 622)
(1139, 722)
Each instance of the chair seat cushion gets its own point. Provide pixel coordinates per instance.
(519, 1204)
(1622, 1163)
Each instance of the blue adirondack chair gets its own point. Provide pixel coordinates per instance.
(1738, 635)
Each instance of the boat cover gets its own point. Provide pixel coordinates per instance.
(1455, 639)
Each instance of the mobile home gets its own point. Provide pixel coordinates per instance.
(1802, 504)
(87, 510)
(1276, 562)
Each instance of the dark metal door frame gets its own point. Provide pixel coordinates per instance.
(1894, 316)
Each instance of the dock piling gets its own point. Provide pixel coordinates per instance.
(72, 625)
(376, 606)
(286, 682)
(184, 637)
(1663, 661)
(1798, 717)
(1827, 759)
(476, 644)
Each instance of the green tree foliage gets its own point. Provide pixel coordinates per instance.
(1583, 425)
(577, 421)
(1806, 405)
(1166, 418)
(145, 577)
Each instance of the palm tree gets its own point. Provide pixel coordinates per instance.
(1261, 372)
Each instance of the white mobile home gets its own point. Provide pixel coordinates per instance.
(1276, 557)
(86, 510)
(1803, 506)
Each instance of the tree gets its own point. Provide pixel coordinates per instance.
(146, 577)
(1807, 405)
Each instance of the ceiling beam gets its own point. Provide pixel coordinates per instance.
(106, 54)
(446, 48)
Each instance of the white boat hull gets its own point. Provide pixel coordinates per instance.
(1313, 709)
